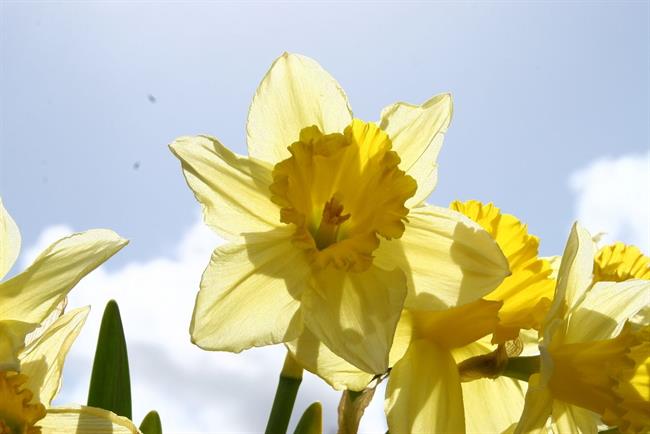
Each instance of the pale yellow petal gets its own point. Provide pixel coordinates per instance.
(575, 420)
(538, 407)
(296, 93)
(250, 294)
(417, 133)
(315, 357)
(34, 293)
(554, 261)
(605, 309)
(48, 321)
(9, 241)
(575, 273)
(233, 190)
(42, 361)
(402, 339)
(424, 393)
(448, 259)
(491, 405)
(85, 420)
(12, 341)
(355, 314)
(526, 294)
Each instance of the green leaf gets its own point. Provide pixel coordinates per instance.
(110, 384)
(151, 423)
(311, 421)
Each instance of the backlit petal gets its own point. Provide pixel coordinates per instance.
(42, 361)
(448, 259)
(296, 93)
(417, 133)
(314, 356)
(605, 309)
(85, 420)
(250, 294)
(355, 314)
(424, 393)
(527, 292)
(572, 419)
(491, 405)
(537, 408)
(9, 241)
(575, 273)
(34, 293)
(233, 190)
(12, 341)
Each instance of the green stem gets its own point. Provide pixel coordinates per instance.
(521, 368)
(285, 397)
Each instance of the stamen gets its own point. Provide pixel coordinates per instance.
(328, 229)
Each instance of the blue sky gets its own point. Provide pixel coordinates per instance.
(544, 92)
(540, 89)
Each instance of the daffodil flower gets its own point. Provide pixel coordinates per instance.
(28, 298)
(26, 396)
(426, 392)
(30, 375)
(527, 293)
(620, 262)
(462, 334)
(328, 232)
(594, 364)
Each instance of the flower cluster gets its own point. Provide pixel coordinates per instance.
(36, 334)
(333, 252)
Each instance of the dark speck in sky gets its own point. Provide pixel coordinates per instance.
(136, 165)
(151, 98)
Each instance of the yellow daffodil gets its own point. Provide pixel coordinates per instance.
(526, 294)
(28, 298)
(620, 262)
(490, 404)
(593, 363)
(326, 222)
(30, 375)
(427, 376)
(25, 396)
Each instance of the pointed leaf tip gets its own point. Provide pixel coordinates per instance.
(110, 384)
(311, 421)
(151, 423)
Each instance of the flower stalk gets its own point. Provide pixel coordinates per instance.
(285, 396)
(521, 368)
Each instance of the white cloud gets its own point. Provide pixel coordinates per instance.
(613, 196)
(193, 390)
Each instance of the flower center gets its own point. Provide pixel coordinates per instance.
(17, 415)
(341, 191)
(329, 225)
